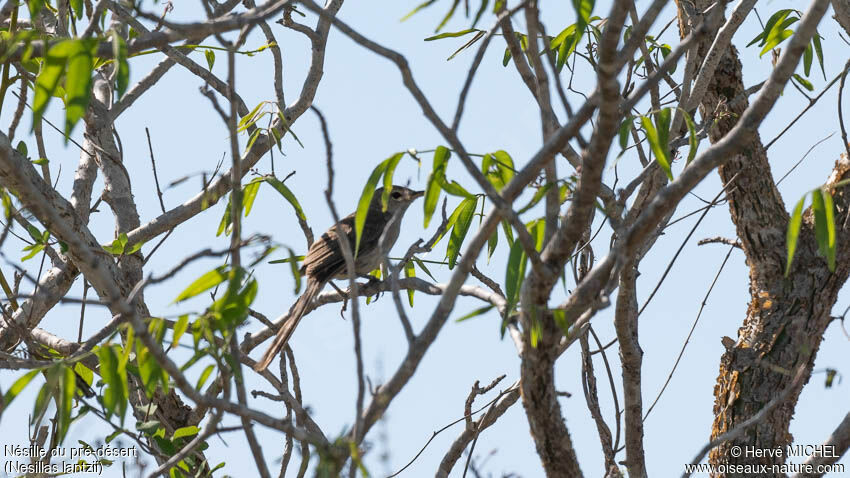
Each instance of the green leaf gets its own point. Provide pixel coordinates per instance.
(438, 173)
(34, 233)
(287, 194)
(466, 210)
(210, 56)
(116, 248)
(422, 266)
(807, 59)
(185, 432)
(506, 57)
(113, 372)
(829, 208)
(78, 79)
(448, 16)
(365, 201)
(481, 10)
(657, 135)
(17, 387)
(432, 189)
(179, 329)
(803, 82)
(42, 400)
(409, 271)
(293, 267)
(793, 233)
(250, 118)
(35, 7)
(204, 376)
(134, 248)
(392, 162)
(287, 260)
(693, 141)
(475, 313)
(249, 194)
(77, 6)
(515, 274)
(48, 79)
(149, 369)
(422, 5)
(452, 34)
(778, 34)
(583, 8)
(21, 148)
(119, 52)
(84, 372)
(774, 19)
(203, 283)
(537, 228)
(819, 52)
(824, 225)
(538, 195)
(492, 242)
(560, 317)
(67, 390)
(498, 168)
(625, 129)
(33, 250)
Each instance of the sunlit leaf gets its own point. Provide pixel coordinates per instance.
(179, 329)
(392, 162)
(657, 136)
(793, 233)
(410, 271)
(803, 82)
(18, 386)
(693, 141)
(185, 432)
(466, 209)
(249, 194)
(210, 57)
(365, 201)
(287, 194)
(452, 34)
(78, 80)
(202, 379)
(819, 52)
(422, 5)
(492, 242)
(475, 313)
(203, 283)
(823, 209)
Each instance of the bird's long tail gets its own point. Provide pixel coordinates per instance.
(288, 327)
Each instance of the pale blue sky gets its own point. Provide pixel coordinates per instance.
(371, 116)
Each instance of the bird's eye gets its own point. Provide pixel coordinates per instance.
(396, 195)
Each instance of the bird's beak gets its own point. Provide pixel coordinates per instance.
(417, 194)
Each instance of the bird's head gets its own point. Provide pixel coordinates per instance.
(399, 197)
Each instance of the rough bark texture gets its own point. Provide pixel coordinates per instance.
(786, 317)
(551, 437)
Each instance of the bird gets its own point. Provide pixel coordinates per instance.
(324, 260)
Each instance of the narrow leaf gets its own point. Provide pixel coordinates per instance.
(365, 201)
(466, 209)
(203, 283)
(793, 233)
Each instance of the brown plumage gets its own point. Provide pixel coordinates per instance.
(324, 261)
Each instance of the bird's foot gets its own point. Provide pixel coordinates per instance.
(373, 282)
(344, 296)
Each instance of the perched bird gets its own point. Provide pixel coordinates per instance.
(325, 261)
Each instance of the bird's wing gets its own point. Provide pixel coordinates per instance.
(323, 260)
